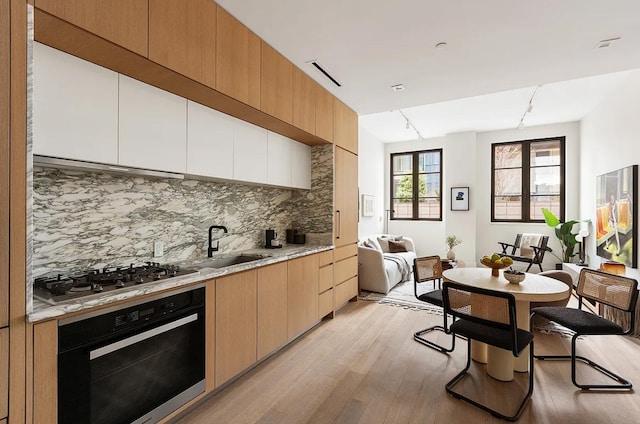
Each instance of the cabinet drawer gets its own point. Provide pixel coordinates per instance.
(346, 269)
(345, 252)
(325, 258)
(346, 291)
(325, 281)
(325, 303)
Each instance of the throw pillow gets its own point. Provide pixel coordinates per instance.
(397, 246)
(384, 244)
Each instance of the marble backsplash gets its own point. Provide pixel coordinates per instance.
(85, 220)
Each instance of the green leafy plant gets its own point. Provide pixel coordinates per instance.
(564, 232)
(452, 241)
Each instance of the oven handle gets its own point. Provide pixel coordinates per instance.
(105, 350)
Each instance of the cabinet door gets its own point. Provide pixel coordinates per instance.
(304, 101)
(182, 37)
(236, 325)
(346, 198)
(300, 165)
(4, 372)
(75, 107)
(346, 127)
(153, 127)
(237, 60)
(45, 372)
(5, 101)
(209, 142)
(276, 84)
(302, 294)
(124, 22)
(279, 159)
(324, 113)
(272, 308)
(250, 153)
(210, 334)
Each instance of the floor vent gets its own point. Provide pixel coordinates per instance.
(324, 72)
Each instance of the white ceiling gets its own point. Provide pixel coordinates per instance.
(497, 52)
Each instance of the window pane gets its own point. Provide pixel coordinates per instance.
(545, 153)
(402, 164)
(402, 208)
(429, 185)
(429, 208)
(545, 180)
(508, 156)
(538, 202)
(403, 187)
(508, 207)
(508, 182)
(429, 162)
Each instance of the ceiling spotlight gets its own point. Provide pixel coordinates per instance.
(441, 45)
(407, 125)
(397, 87)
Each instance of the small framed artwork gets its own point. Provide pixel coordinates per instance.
(459, 198)
(367, 205)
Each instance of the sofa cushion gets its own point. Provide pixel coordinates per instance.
(384, 244)
(397, 246)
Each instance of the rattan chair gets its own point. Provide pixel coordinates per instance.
(429, 269)
(487, 316)
(607, 289)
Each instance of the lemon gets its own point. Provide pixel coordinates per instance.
(507, 260)
(495, 257)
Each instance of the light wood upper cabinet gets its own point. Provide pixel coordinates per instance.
(124, 22)
(75, 107)
(153, 127)
(302, 294)
(346, 127)
(304, 101)
(236, 324)
(237, 60)
(276, 85)
(345, 192)
(324, 113)
(272, 308)
(182, 37)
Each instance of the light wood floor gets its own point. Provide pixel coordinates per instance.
(364, 367)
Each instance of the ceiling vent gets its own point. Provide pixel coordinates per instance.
(324, 72)
(606, 43)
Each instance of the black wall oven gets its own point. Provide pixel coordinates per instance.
(133, 364)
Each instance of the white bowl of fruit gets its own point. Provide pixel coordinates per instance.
(496, 263)
(513, 276)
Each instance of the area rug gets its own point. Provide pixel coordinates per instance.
(402, 296)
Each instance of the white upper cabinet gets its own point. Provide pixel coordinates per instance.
(153, 127)
(249, 153)
(209, 142)
(75, 107)
(300, 165)
(279, 160)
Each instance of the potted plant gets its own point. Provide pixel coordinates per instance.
(565, 234)
(452, 241)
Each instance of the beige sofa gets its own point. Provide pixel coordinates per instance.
(379, 270)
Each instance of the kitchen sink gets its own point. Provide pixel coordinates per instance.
(225, 261)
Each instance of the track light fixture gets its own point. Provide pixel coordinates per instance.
(409, 125)
(529, 107)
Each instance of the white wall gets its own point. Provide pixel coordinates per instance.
(610, 136)
(371, 160)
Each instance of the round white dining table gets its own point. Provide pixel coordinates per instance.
(535, 288)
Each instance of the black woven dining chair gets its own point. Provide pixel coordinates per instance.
(489, 317)
(615, 291)
(429, 269)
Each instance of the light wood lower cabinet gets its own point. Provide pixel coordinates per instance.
(45, 372)
(325, 284)
(236, 324)
(210, 334)
(4, 372)
(346, 291)
(345, 274)
(302, 294)
(272, 308)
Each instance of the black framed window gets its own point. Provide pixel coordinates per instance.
(527, 176)
(416, 185)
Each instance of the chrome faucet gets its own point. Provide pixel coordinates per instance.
(211, 248)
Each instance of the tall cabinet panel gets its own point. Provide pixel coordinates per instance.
(345, 197)
(4, 164)
(276, 85)
(346, 127)
(124, 22)
(182, 37)
(75, 107)
(237, 60)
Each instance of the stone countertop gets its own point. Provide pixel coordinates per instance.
(43, 311)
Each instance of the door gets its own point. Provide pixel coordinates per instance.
(345, 224)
